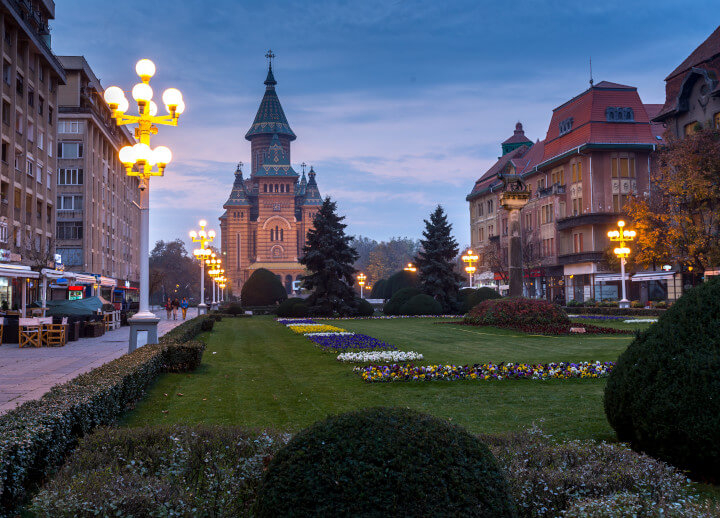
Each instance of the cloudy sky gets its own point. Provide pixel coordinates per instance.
(399, 105)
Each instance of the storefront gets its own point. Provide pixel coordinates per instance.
(607, 286)
(579, 281)
(19, 286)
(657, 286)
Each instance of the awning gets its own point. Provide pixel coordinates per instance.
(608, 277)
(52, 274)
(18, 270)
(82, 278)
(486, 276)
(580, 268)
(107, 281)
(652, 276)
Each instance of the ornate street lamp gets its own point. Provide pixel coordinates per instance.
(410, 268)
(470, 259)
(201, 254)
(621, 236)
(142, 161)
(214, 264)
(361, 281)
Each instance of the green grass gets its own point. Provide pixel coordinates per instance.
(259, 374)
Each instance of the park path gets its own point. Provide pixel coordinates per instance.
(28, 373)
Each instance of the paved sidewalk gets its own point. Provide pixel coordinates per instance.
(28, 373)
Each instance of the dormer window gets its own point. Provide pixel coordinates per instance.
(619, 114)
(566, 126)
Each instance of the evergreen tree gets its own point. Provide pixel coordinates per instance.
(435, 262)
(329, 259)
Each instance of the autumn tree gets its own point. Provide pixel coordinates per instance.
(679, 219)
(390, 256)
(173, 273)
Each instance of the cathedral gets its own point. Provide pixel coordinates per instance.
(268, 215)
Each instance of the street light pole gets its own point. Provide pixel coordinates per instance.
(144, 162)
(470, 259)
(361, 281)
(621, 236)
(202, 254)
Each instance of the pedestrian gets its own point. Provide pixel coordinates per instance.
(168, 307)
(184, 305)
(175, 306)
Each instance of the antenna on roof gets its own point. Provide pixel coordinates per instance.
(591, 79)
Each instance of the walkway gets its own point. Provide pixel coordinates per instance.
(28, 373)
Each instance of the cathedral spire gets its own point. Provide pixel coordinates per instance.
(270, 80)
(270, 117)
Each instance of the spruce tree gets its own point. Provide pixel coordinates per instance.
(436, 261)
(329, 259)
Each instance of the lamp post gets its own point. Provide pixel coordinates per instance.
(621, 236)
(203, 237)
(212, 263)
(470, 259)
(361, 281)
(142, 161)
(410, 268)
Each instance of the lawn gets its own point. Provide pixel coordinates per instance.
(257, 373)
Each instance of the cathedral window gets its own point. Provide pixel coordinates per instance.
(265, 188)
(282, 238)
(272, 235)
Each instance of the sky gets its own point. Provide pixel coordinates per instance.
(398, 105)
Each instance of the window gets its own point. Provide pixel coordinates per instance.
(31, 131)
(480, 209)
(579, 171)
(528, 221)
(490, 205)
(70, 127)
(31, 97)
(557, 176)
(70, 177)
(30, 166)
(19, 126)
(619, 201)
(48, 178)
(577, 204)
(577, 243)
(546, 213)
(69, 230)
(41, 140)
(39, 171)
(51, 146)
(69, 202)
(565, 126)
(7, 72)
(622, 167)
(691, 128)
(541, 184)
(6, 112)
(264, 187)
(71, 256)
(716, 120)
(5, 146)
(615, 114)
(50, 115)
(41, 74)
(19, 85)
(70, 150)
(41, 105)
(4, 232)
(481, 234)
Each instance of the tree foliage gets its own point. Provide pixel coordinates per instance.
(263, 288)
(173, 273)
(390, 256)
(328, 258)
(437, 274)
(679, 220)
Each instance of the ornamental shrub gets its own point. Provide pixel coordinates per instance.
(663, 397)
(399, 280)
(287, 307)
(234, 308)
(471, 298)
(262, 288)
(516, 311)
(392, 306)
(384, 462)
(421, 305)
(378, 289)
(365, 309)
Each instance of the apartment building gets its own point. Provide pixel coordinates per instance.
(30, 78)
(98, 219)
(596, 154)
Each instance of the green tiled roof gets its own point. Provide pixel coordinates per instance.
(312, 193)
(270, 118)
(238, 195)
(275, 161)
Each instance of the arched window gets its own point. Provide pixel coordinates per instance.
(277, 188)
(282, 232)
(272, 235)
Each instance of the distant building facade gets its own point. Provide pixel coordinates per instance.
(31, 74)
(267, 215)
(98, 220)
(596, 154)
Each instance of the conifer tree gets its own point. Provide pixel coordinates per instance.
(329, 259)
(436, 261)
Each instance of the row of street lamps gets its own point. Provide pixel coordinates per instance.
(207, 257)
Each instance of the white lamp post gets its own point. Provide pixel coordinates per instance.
(620, 236)
(203, 237)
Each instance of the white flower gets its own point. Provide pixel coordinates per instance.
(379, 356)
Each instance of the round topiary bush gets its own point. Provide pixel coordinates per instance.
(471, 298)
(663, 396)
(421, 305)
(399, 280)
(365, 309)
(292, 307)
(262, 288)
(392, 306)
(378, 289)
(384, 462)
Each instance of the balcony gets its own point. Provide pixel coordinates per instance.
(592, 218)
(555, 188)
(580, 257)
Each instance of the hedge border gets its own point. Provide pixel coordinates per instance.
(631, 312)
(36, 436)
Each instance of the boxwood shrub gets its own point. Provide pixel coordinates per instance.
(471, 298)
(36, 436)
(384, 462)
(663, 396)
(293, 307)
(421, 305)
(392, 306)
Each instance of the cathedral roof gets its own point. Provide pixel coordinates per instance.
(270, 118)
(312, 193)
(275, 161)
(238, 195)
(302, 185)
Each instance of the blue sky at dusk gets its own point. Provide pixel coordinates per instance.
(398, 105)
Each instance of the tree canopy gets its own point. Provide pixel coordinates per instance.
(173, 273)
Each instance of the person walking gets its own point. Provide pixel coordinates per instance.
(175, 307)
(184, 306)
(168, 307)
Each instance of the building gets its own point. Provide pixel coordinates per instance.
(98, 219)
(692, 90)
(31, 75)
(267, 216)
(596, 154)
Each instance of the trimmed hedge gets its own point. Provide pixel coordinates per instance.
(421, 305)
(392, 306)
(471, 298)
(262, 288)
(398, 281)
(36, 436)
(365, 309)
(293, 307)
(378, 290)
(384, 462)
(663, 396)
(631, 312)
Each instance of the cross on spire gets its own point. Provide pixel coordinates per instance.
(269, 55)
(303, 165)
(239, 166)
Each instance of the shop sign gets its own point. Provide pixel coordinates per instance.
(5, 255)
(58, 263)
(667, 267)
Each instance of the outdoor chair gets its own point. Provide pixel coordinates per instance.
(53, 335)
(2, 327)
(30, 332)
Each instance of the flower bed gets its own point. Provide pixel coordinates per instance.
(379, 356)
(484, 371)
(596, 317)
(345, 333)
(388, 317)
(315, 328)
(347, 343)
(289, 321)
(38, 434)
(640, 321)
